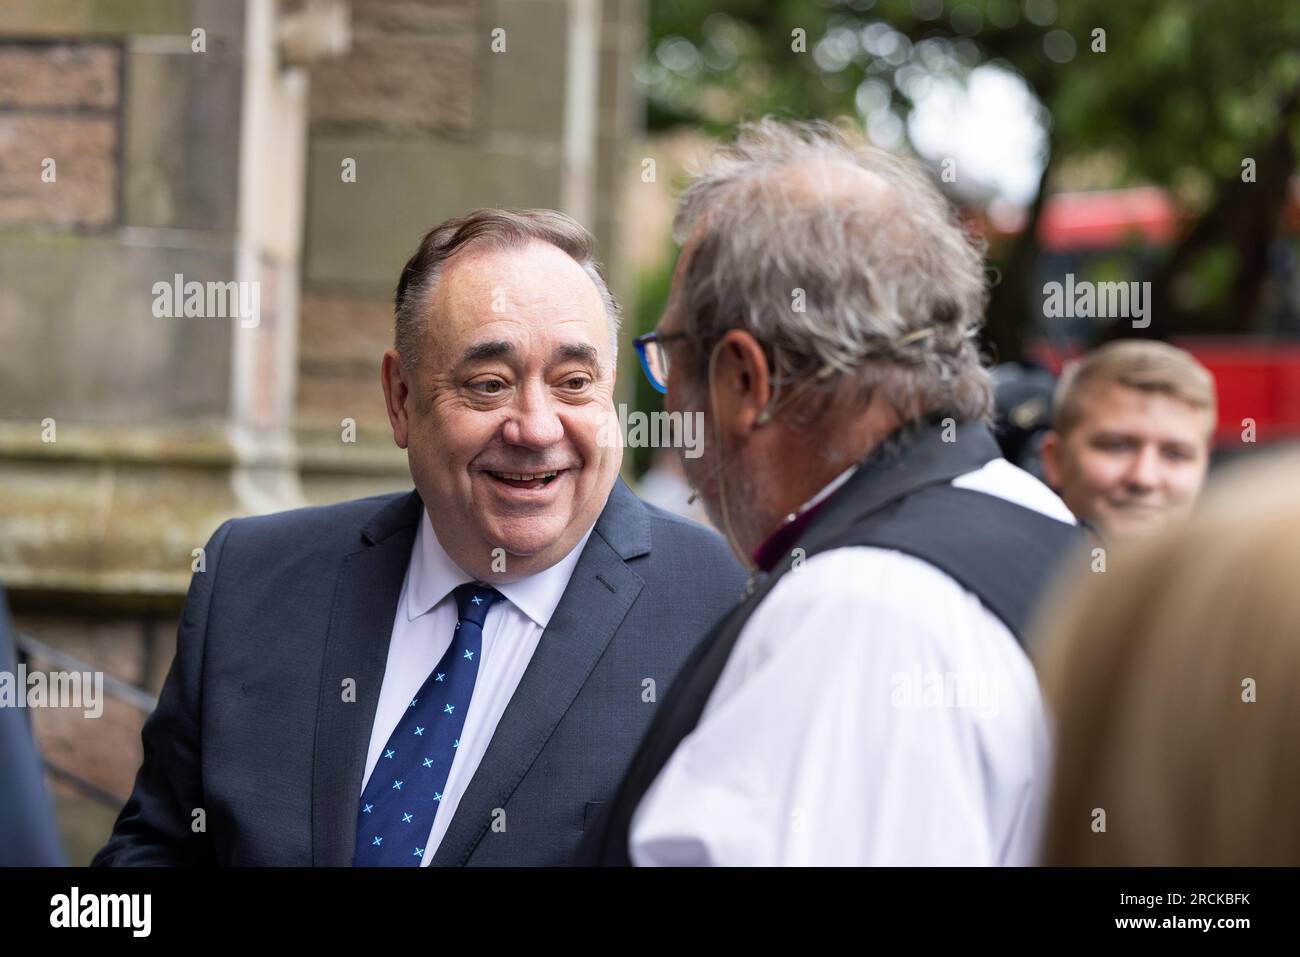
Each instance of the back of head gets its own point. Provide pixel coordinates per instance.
(1174, 677)
(837, 257)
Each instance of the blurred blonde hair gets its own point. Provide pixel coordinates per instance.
(1145, 667)
(1142, 364)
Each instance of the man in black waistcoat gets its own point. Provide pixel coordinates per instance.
(868, 701)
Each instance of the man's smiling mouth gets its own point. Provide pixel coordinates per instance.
(525, 479)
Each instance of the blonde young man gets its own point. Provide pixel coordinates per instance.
(1130, 439)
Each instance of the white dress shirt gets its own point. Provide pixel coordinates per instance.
(873, 711)
(422, 633)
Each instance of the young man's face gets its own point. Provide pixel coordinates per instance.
(1134, 460)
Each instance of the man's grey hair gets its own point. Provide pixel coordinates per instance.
(871, 277)
(488, 229)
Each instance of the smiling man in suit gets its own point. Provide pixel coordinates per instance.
(455, 675)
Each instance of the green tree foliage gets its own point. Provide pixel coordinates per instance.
(1179, 93)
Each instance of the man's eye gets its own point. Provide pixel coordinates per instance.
(1109, 444)
(488, 386)
(577, 383)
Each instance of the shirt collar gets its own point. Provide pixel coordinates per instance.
(432, 575)
(827, 490)
(779, 542)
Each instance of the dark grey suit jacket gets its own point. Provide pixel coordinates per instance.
(254, 757)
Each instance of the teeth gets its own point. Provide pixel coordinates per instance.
(521, 477)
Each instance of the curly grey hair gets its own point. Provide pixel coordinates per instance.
(892, 288)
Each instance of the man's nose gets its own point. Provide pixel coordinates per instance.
(534, 422)
(1144, 472)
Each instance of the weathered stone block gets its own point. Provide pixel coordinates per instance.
(395, 81)
(153, 133)
(180, 130)
(59, 75)
(524, 86)
(77, 188)
(360, 234)
(345, 330)
(325, 399)
(88, 324)
(414, 16)
(94, 17)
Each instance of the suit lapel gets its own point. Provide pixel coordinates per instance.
(594, 605)
(356, 650)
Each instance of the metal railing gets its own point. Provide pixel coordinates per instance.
(29, 647)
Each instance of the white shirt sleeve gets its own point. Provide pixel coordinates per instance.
(872, 712)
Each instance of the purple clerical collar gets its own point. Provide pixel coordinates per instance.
(781, 541)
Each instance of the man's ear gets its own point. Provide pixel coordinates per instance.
(742, 381)
(397, 395)
(1050, 453)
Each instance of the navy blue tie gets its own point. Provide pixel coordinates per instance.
(405, 789)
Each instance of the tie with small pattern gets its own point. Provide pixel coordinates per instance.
(405, 788)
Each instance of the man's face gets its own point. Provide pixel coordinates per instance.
(1133, 461)
(685, 395)
(515, 381)
(689, 395)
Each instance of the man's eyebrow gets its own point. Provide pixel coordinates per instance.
(576, 352)
(483, 351)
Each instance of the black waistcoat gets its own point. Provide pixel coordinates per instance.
(901, 498)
